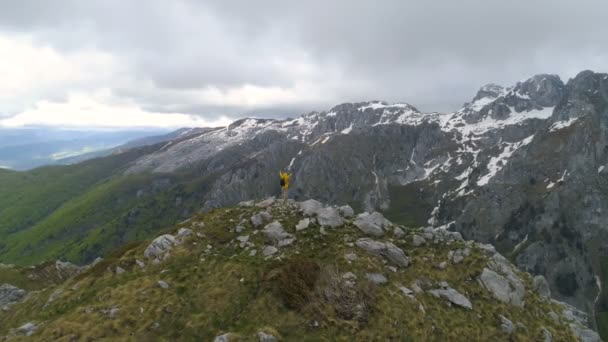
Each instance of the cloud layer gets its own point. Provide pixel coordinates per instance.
(177, 63)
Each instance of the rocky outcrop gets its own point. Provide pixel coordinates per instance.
(160, 247)
(373, 224)
(10, 294)
(385, 250)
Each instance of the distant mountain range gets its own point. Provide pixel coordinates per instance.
(522, 167)
(27, 148)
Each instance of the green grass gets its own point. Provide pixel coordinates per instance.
(224, 289)
(408, 207)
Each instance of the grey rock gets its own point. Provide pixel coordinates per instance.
(261, 218)
(243, 239)
(584, 334)
(407, 291)
(286, 242)
(547, 336)
(55, 295)
(349, 276)
(376, 278)
(540, 285)
(418, 240)
(274, 232)
(329, 217)
(453, 296)
(140, 263)
(443, 265)
(10, 294)
(303, 224)
(239, 229)
(264, 337)
(184, 232)
(120, 270)
(270, 250)
(223, 338)
(346, 211)
(160, 246)
(163, 284)
(350, 257)
(310, 207)
(253, 252)
(506, 325)
(27, 329)
(501, 288)
(246, 204)
(398, 232)
(266, 203)
(372, 224)
(384, 249)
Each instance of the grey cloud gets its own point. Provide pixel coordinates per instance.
(431, 54)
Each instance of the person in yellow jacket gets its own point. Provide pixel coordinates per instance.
(284, 183)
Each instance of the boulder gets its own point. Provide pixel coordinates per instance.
(303, 224)
(506, 325)
(385, 250)
(501, 288)
(346, 211)
(584, 334)
(418, 240)
(27, 329)
(140, 263)
(264, 337)
(372, 224)
(310, 207)
(329, 217)
(163, 284)
(266, 203)
(246, 204)
(160, 246)
(350, 257)
(398, 232)
(223, 338)
(377, 278)
(260, 218)
(184, 232)
(453, 297)
(269, 250)
(10, 294)
(274, 232)
(540, 285)
(120, 270)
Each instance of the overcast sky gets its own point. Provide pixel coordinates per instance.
(124, 63)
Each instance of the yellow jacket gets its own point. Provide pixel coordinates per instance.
(284, 179)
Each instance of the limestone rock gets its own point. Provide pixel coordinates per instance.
(372, 224)
(384, 249)
(10, 294)
(418, 240)
(377, 278)
(453, 296)
(160, 246)
(346, 211)
(329, 217)
(310, 207)
(540, 285)
(303, 224)
(264, 337)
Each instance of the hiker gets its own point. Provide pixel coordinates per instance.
(284, 183)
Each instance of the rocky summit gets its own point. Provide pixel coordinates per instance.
(203, 280)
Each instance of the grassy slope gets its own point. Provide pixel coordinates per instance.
(224, 289)
(80, 211)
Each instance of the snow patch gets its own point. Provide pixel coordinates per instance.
(497, 163)
(347, 130)
(600, 169)
(561, 124)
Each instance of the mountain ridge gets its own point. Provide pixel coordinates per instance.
(485, 170)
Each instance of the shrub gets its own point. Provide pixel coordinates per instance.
(296, 280)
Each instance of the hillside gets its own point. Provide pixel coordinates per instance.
(521, 167)
(291, 272)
